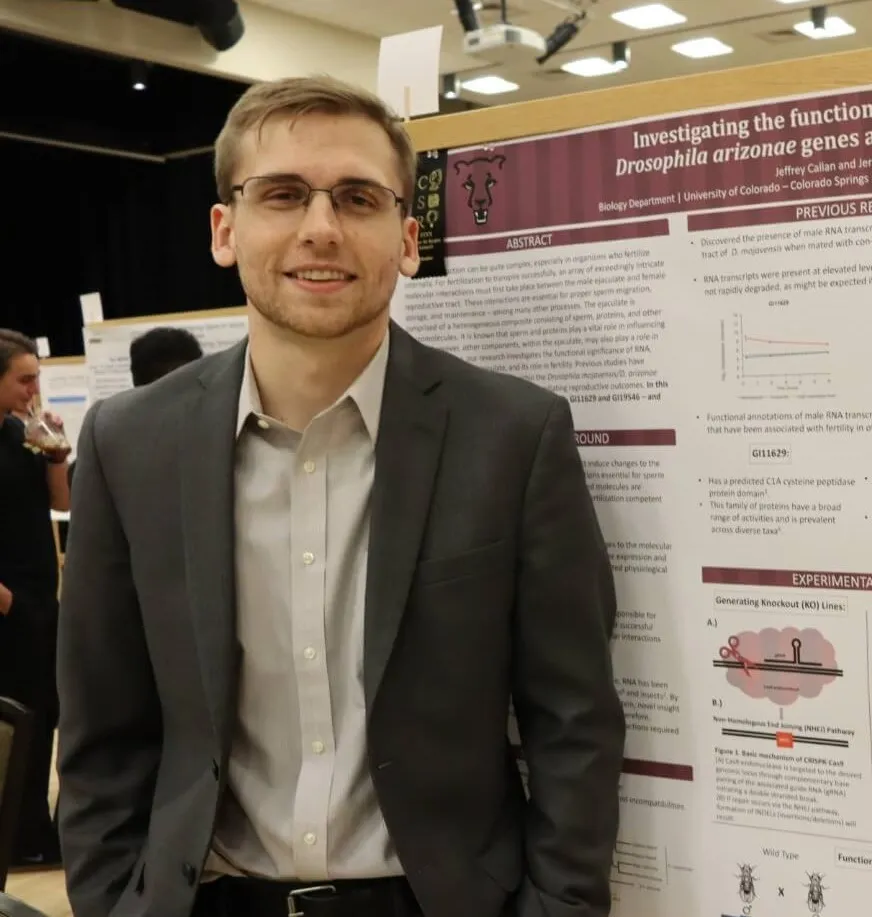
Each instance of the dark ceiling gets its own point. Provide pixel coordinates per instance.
(64, 92)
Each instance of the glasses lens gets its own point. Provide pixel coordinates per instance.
(362, 199)
(277, 193)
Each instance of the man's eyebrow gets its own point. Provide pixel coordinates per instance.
(345, 179)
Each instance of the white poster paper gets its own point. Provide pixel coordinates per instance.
(107, 347)
(697, 287)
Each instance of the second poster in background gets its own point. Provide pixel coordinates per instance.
(697, 287)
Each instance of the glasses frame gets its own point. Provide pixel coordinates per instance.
(398, 201)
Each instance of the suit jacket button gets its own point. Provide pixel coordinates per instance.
(215, 769)
(189, 872)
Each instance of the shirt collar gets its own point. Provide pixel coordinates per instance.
(366, 391)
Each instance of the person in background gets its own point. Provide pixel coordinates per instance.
(32, 483)
(153, 355)
(160, 351)
(313, 571)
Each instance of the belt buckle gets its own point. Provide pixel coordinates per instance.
(292, 904)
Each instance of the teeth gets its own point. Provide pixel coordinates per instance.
(321, 275)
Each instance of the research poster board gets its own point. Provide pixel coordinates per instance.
(107, 344)
(64, 390)
(697, 285)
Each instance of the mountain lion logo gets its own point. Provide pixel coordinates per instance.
(478, 180)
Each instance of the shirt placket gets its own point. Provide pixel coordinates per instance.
(308, 613)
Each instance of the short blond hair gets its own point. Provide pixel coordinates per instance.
(299, 96)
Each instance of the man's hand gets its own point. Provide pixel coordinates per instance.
(5, 600)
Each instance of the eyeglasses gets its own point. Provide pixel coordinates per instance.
(288, 193)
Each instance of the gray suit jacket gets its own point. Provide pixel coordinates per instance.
(487, 577)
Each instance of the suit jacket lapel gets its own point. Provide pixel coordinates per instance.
(411, 431)
(207, 447)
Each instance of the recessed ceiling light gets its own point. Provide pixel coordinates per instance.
(834, 27)
(650, 16)
(702, 47)
(489, 85)
(592, 66)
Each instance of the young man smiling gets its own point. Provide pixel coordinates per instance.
(292, 626)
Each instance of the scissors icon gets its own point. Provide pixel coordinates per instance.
(732, 651)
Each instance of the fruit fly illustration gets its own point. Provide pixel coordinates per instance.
(747, 891)
(815, 887)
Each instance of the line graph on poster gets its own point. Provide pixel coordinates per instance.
(779, 665)
(780, 362)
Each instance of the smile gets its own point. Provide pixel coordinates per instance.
(320, 276)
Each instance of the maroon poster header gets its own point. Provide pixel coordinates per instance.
(790, 579)
(608, 232)
(794, 150)
(795, 213)
(625, 437)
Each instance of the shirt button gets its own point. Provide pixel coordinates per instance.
(309, 467)
(308, 558)
(318, 748)
(263, 424)
(189, 872)
(309, 652)
(309, 838)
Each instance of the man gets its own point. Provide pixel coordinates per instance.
(154, 354)
(312, 572)
(32, 483)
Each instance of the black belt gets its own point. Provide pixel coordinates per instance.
(232, 896)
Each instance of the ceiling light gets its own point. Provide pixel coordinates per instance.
(702, 47)
(620, 55)
(139, 75)
(489, 85)
(450, 86)
(833, 27)
(650, 16)
(591, 66)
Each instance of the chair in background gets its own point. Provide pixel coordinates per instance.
(12, 907)
(16, 725)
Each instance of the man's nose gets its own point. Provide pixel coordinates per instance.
(320, 222)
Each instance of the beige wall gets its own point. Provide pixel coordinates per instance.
(275, 44)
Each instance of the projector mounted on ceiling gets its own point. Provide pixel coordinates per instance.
(494, 40)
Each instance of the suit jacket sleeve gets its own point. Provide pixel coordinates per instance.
(569, 716)
(110, 728)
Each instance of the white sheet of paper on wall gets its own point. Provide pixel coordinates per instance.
(43, 348)
(408, 71)
(92, 308)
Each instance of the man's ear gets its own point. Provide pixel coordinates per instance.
(223, 241)
(410, 260)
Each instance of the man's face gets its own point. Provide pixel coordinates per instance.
(313, 271)
(19, 385)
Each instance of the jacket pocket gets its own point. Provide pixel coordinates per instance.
(456, 566)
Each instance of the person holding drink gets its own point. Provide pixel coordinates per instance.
(33, 481)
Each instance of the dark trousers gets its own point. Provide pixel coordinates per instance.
(243, 897)
(28, 640)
